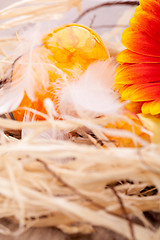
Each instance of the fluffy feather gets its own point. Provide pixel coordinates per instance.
(92, 94)
(29, 70)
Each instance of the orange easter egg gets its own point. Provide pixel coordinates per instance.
(68, 51)
(134, 127)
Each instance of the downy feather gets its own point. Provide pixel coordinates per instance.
(92, 95)
(29, 69)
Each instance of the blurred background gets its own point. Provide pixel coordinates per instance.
(103, 20)
(108, 21)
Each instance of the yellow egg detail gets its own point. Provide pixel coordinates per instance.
(71, 48)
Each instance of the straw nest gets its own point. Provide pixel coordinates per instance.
(76, 183)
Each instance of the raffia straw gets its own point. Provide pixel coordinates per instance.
(61, 183)
(66, 183)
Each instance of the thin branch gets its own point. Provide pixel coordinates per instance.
(107, 4)
(92, 21)
(125, 212)
(95, 204)
(72, 188)
(110, 26)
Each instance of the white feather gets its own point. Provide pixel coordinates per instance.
(93, 93)
(30, 69)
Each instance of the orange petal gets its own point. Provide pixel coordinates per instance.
(127, 56)
(121, 87)
(138, 73)
(140, 42)
(134, 107)
(151, 6)
(142, 92)
(151, 107)
(145, 22)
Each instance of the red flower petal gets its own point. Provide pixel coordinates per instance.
(138, 77)
(151, 6)
(138, 73)
(127, 56)
(140, 43)
(145, 22)
(142, 92)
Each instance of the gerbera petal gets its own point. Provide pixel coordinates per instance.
(138, 77)
(122, 88)
(151, 107)
(151, 6)
(134, 107)
(142, 92)
(132, 57)
(140, 43)
(145, 22)
(138, 73)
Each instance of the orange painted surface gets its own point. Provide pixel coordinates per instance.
(71, 48)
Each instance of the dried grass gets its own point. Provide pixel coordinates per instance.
(76, 183)
(68, 185)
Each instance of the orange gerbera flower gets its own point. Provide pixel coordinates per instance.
(138, 76)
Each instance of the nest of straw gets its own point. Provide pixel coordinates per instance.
(77, 183)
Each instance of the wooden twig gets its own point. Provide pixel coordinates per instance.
(106, 4)
(92, 21)
(109, 26)
(124, 212)
(72, 188)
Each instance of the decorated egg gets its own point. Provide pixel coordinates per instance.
(64, 55)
